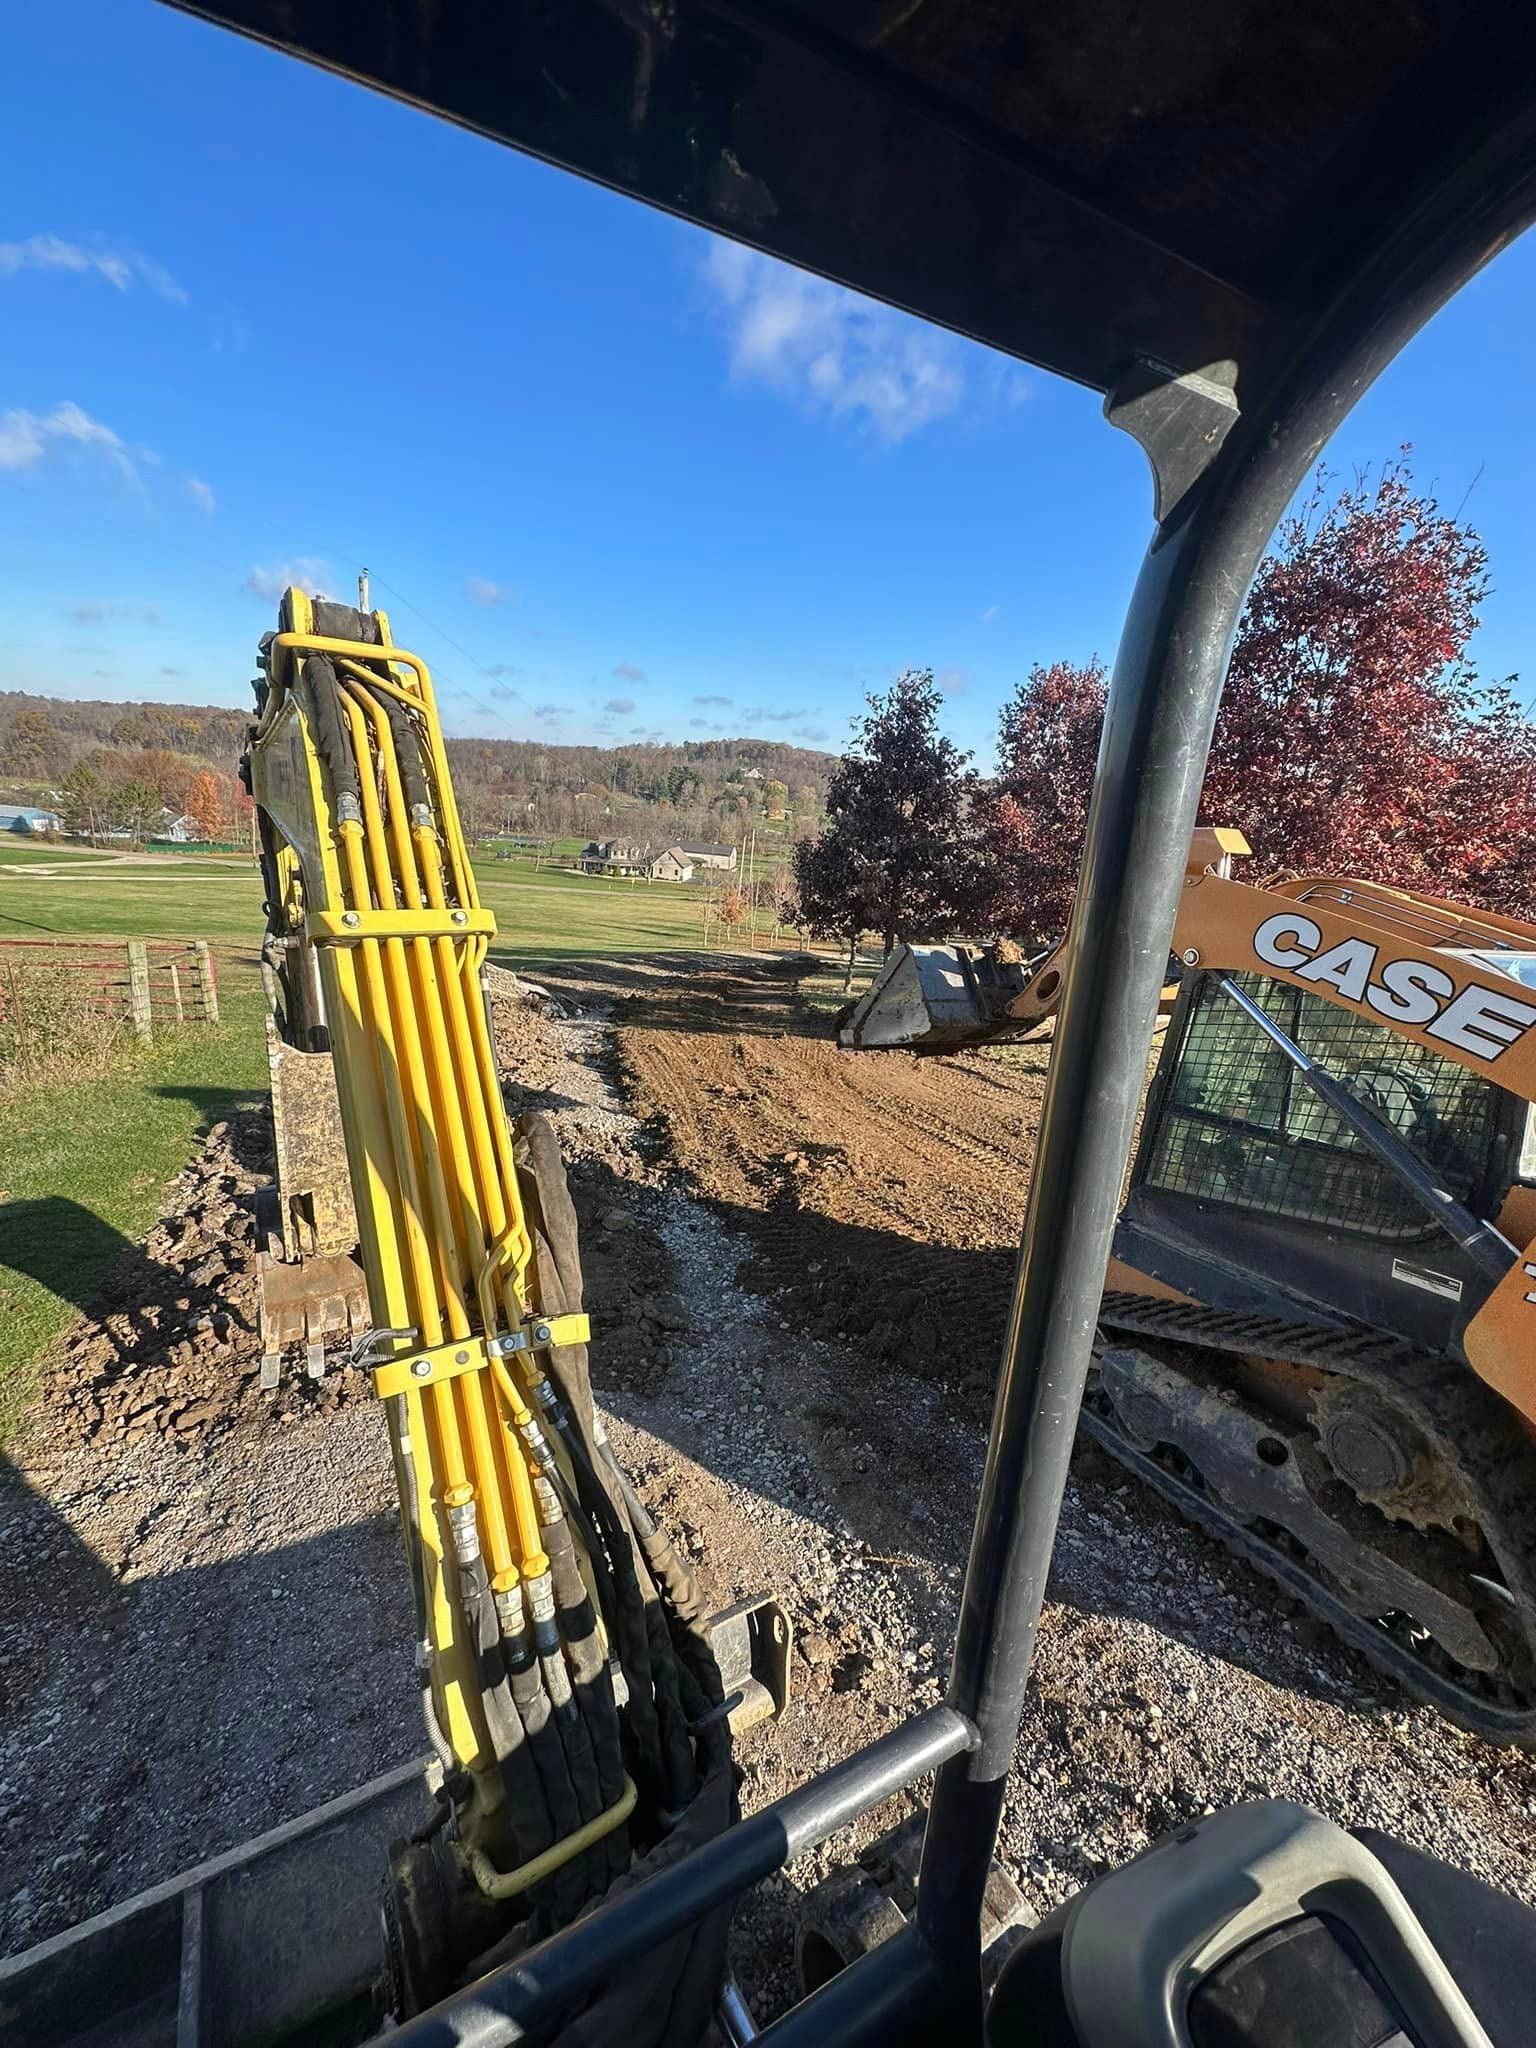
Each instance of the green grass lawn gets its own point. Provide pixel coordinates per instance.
(17, 852)
(543, 914)
(83, 1171)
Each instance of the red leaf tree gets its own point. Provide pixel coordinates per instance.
(1354, 736)
(1351, 711)
(1033, 817)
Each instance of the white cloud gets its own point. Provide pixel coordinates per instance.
(26, 437)
(829, 350)
(990, 614)
(121, 268)
(201, 495)
(304, 570)
(482, 591)
(620, 705)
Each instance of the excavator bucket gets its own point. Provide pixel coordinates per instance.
(310, 1287)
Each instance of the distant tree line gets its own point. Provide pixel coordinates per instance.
(1355, 737)
(111, 768)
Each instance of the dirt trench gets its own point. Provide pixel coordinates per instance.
(886, 1191)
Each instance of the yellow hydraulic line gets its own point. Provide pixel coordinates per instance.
(411, 1012)
(451, 999)
(479, 1059)
(377, 1014)
(410, 1016)
(431, 999)
(524, 1507)
(507, 1884)
(424, 1156)
(425, 707)
(485, 1057)
(429, 1321)
(489, 1447)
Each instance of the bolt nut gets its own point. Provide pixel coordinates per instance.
(350, 919)
(461, 1358)
(461, 917)
(420, 1368)
(1191, 956)
(542, 1333)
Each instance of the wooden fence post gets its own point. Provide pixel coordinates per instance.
(207, 988)
(138, 989)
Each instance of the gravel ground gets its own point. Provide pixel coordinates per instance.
(166, 1602)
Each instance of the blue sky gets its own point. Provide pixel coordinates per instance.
(614, 479)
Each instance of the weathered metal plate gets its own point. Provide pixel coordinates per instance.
(313, 1183)
(277, 1941)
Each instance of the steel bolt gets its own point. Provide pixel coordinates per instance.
(350, 918)
(461, 1358)
(542, 1333)
(1191, 956)
(420, 1367)
(461, 917)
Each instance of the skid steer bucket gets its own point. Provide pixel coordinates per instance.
(945, 998)
(942, 998)
(310, 1288)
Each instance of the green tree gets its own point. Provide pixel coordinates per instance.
(895, 856)
(85, 801)
(136, 808)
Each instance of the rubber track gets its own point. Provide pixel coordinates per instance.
(1464, 1421)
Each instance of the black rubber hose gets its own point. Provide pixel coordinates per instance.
(591, 1683)
(528, 1811)
(413, 775)
(699, 1674)
(562, 1898)
(661, 1724)
(631, 1636)
(330, 733)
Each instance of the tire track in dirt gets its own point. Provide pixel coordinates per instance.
(884, 1191)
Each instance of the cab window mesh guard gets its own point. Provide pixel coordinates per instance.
(1239, 1126)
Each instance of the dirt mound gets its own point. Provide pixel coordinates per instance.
(527, 1046)
(885, 1192)
(170, 1346)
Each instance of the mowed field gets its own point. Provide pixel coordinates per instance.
(83, 1167)
(542, 913)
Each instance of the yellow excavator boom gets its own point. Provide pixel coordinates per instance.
(546, 1600)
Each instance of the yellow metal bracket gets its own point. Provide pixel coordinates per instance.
(472, 1354)
(540, 1331)
(429, 1368)
(351, 927)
